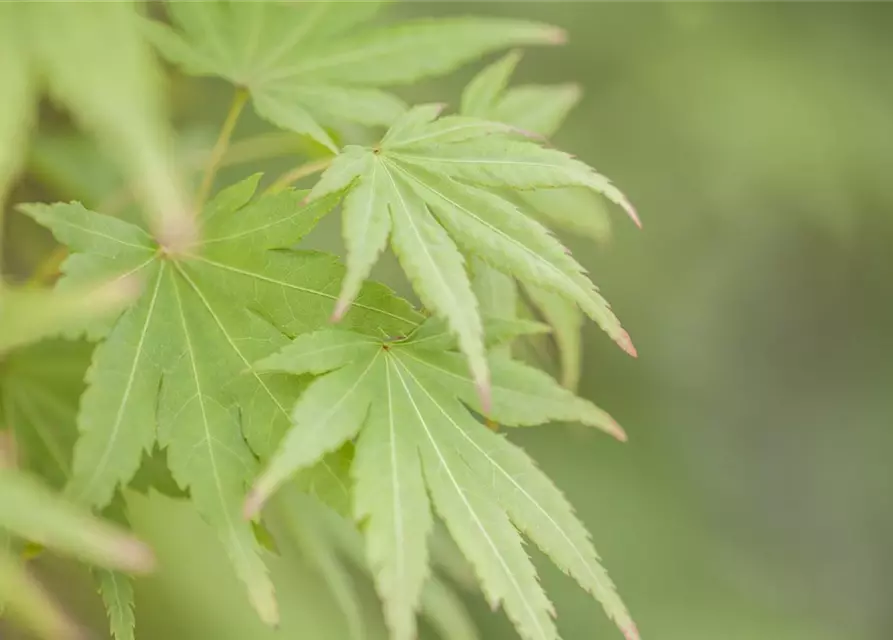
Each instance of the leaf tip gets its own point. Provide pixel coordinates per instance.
(614, 429)
(625, 342)
(482, 385)
(341, 307)
(556, 35)
(630, 632)
(134, 555)
(631, 211)
(254, 502)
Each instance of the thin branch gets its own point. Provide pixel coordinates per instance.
(220, 147)
(293, 175)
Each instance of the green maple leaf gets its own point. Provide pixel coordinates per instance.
(403, 402)
(172, 368)
(311, 64)
(541, 109)
(432, 187)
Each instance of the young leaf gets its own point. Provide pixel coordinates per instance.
(116, 591)
(429, 175)
(180, 359)
(417, 433)
(308, 65)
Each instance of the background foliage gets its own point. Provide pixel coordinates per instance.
(751, 499)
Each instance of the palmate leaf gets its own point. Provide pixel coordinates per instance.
(541, 110)
(176, 366)
(412, 431)
(431, 186)
(311, 64)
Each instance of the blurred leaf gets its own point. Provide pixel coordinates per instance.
(26, 600)
(40, 387)
(19, 97)
(29, 510)
(305, 68)
(28, 315)
(116, 591)
(96, 62)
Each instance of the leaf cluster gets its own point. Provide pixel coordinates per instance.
(232, 367)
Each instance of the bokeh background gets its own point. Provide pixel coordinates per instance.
(754, 497)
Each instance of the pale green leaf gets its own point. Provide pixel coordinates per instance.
(445, 612)
(321, 351)
(480, 96)
(536, 507)
(418, 434)
(309, 65)
(497, 293)
(31, 511)
(437, 271)
(28, 315)
(573, 208)
(116, 591)
(535, 108)
(476, 521)
(567, 322)
(430, 174)
(330, 412)
(521, 395)
(180, 360)
(390, 497)
(366, 227)
(492, 228)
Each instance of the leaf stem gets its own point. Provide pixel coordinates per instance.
(295, 174)
(220, 147)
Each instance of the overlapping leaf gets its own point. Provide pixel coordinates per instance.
(176, 366)
(402, 401)
(434, 186)
(541, 109)
(313, 64)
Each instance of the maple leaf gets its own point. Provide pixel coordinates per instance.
(172, 368)
(311, 64)
(430, 185)
(541, 109)
(403, 403)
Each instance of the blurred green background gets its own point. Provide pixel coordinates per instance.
(754, 497)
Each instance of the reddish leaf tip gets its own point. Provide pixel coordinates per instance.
(134, 555)
(617, 431)
(483, 389)
(340, 309)
(557, 35)
(631, 212)
(626, 343)
(630, 632)
(254, 501)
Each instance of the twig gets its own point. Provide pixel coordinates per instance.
(220, 147)
(293, 175)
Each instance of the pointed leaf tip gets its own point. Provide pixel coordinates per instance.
(341, 307)
(631, 211)
(614, 429)
(557, 35)
(482, 384)
(254, 502)
(625, 342)
(630, 632)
